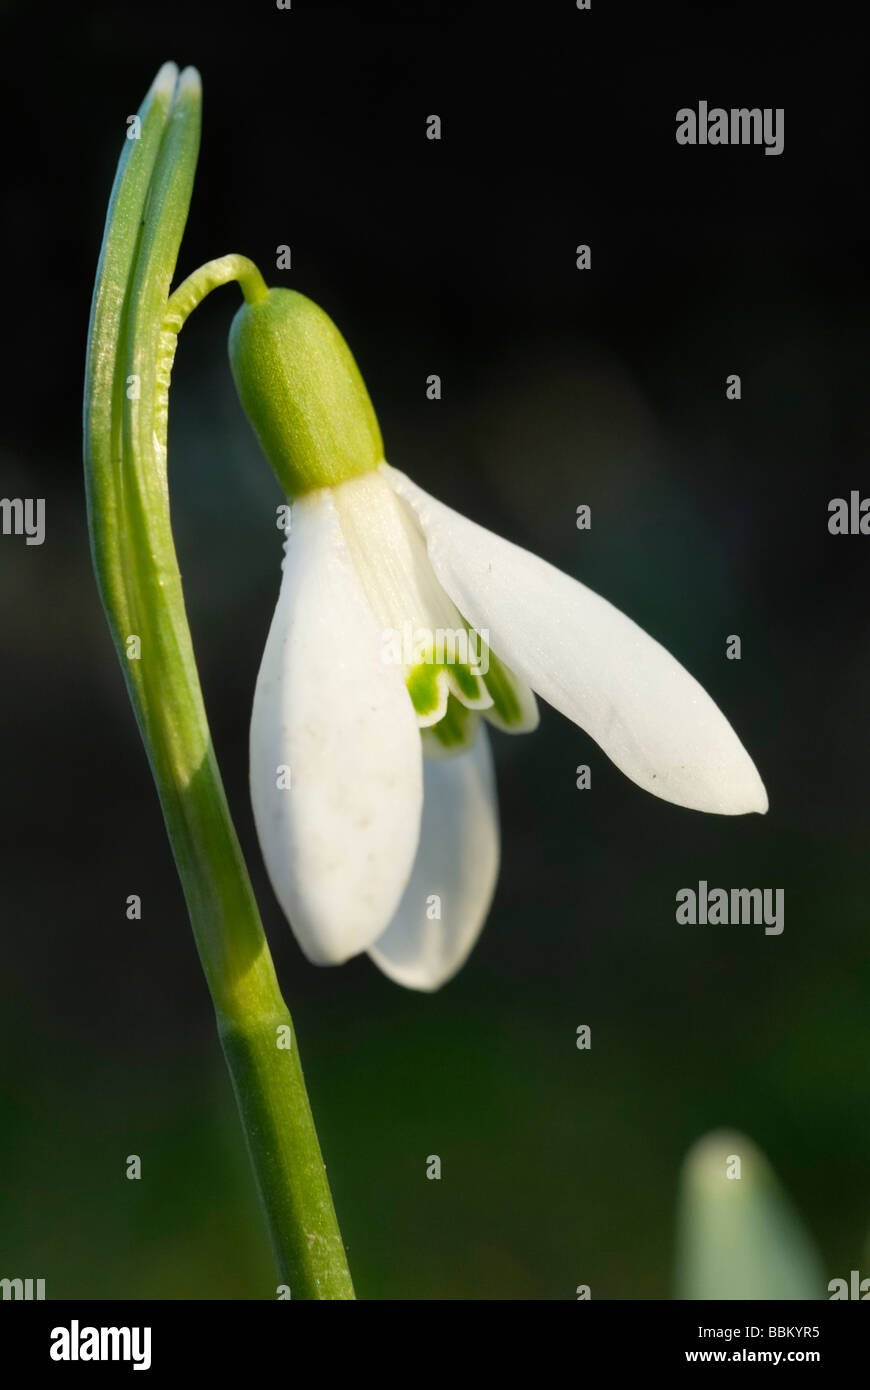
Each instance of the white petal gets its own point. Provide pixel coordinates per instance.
(591, 663)
(340, 843)
(457, 864)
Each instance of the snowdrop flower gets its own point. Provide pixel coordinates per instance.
(402, 631)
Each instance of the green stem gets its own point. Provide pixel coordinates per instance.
(182, 302)
(222, 271)
(131, 344)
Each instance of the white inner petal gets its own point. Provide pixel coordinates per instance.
(418, 622)
(453, 880)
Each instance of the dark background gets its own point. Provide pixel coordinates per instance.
(559, 387)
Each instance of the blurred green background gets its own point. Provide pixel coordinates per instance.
(559, 1167)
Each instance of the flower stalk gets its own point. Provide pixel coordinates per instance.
(131, 345)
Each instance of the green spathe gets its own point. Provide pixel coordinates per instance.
(303, 393)
(132, 340)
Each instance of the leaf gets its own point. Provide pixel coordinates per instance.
(739, 1236)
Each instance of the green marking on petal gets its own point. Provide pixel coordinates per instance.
(423, 688)
(467, 685)
(499, 681)
(432, 683)
(454, 733)
(465, 681)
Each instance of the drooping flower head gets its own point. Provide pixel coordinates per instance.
(402, 630)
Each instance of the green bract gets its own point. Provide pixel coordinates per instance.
(303, 393)
(131, 347)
